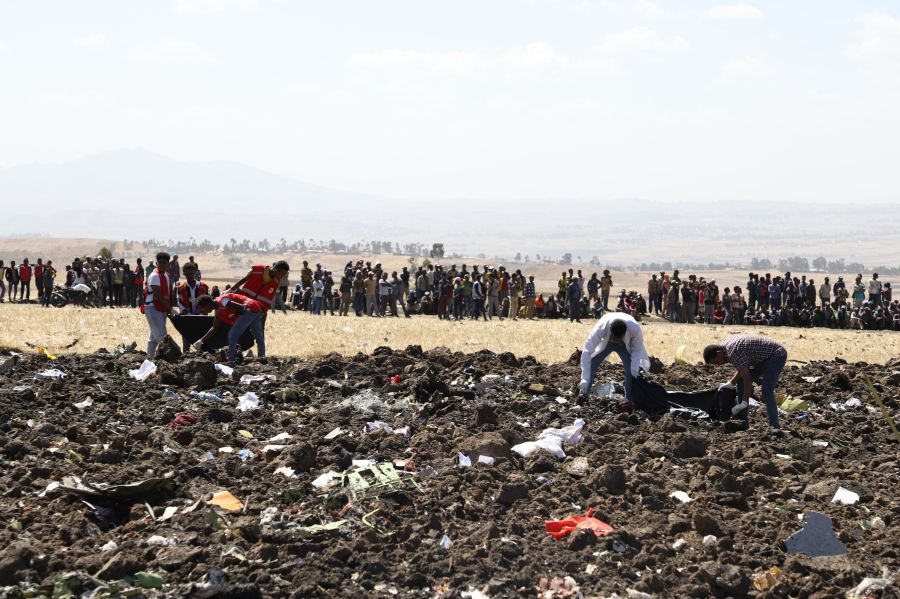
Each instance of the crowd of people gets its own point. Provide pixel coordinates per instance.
(478, 292)
(777, 301)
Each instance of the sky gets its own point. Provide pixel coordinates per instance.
(482, 99)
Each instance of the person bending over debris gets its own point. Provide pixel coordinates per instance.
(619, 333)
(753, 357)
(239, 312)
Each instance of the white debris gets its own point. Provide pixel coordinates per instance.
(363, 463)
(709, 540)
(286, 471)
(845, 497)
(868, 583)
(324, 480)
(144, 371)
(249, 379)
(552, 439)
(248, 401)
(445, 542)
(486, 459)
(334, 434)
(384, 426)
(679, 544)
(464, 460)
(853, 402)
(168, 513)
(224, 369)
(681, 496)
(81, 405)
(53, 373)
(281, 437)
(159, 541)
(52, 486)
(109, 546)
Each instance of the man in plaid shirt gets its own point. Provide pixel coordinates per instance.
(752, 357)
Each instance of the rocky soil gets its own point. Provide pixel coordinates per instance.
(430, 528)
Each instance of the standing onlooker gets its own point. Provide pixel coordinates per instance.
(530, 295)
(48, 273)
(38, 273)
(12, 280)
(25, 273)
(606, 284)
(875, 290)
(2, 282)
(118, 285)
(174, 270)
(158, 302)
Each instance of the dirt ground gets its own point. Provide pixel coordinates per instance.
(288, 537)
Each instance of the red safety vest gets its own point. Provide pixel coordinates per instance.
(227, 314)
(38, 270)
(25, 273)
(163, 291)
(188, 304)
(255, 288)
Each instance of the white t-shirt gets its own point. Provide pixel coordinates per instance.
(152, 280)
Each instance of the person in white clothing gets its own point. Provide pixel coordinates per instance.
(619, 333)
(158, 302)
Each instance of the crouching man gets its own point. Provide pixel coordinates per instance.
(753, 357)
(240, 313)
(619, 333)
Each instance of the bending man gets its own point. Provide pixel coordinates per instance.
(240, 313)
(619, 333)
(752, 357)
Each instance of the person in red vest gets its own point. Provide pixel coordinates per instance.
(25, 273)
(261, 284)
(186, 294)
(39, 279)
(240, 313)
(157, 302)
(187, 291)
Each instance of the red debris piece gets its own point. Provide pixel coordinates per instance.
(183, 420)
(563, 528)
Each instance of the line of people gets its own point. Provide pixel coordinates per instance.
(777, 301)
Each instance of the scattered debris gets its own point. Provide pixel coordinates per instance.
(845, 497)
(562, 528)
(552, 440)
(144, 371)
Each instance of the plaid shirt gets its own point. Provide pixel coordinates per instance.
(529, 289)
(749, 351)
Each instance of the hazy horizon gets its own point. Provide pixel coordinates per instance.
(496, 100)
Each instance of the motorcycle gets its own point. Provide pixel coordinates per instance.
(80, 294)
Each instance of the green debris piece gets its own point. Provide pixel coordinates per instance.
(74, 456)
(149, 580)
(215, 519)
(873, 523)
(379, 479)
(67, 585)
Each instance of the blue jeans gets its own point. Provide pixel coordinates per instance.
(622, 351)
(769, 370)
(247, 320)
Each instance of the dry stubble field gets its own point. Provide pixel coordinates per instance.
(299, 334)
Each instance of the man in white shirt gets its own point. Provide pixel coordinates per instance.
(875, 290)
(619, 333)
(158, 303)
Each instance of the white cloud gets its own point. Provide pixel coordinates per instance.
(213, 6)
(878, 39)
(534, 60)
(92, 40)
(734, 12)
(754, 68)
(456, 64)
(171, 52)
(640, 40)
(648, 9)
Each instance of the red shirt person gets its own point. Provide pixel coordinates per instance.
(237, 312)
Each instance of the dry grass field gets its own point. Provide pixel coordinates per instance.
(302, 335)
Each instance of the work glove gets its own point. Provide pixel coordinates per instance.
(583, 388)
(198, 345)
(726, 386)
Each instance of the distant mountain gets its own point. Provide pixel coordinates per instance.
(136, 194)
(133, 178)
